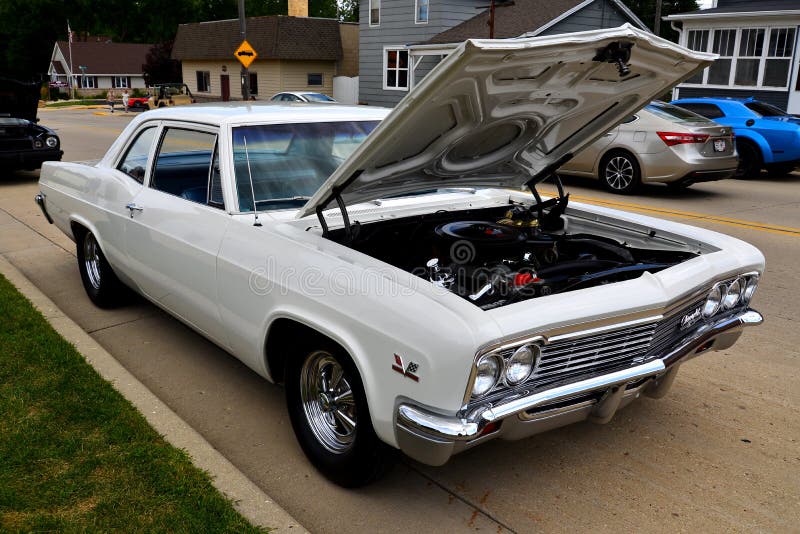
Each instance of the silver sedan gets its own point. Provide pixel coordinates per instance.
(660, 143)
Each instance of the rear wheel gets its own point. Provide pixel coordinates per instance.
(330, 417)
(750, 160)
(101, 284)
(620, 173)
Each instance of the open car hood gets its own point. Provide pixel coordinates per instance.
(19, 100)
(505, 113)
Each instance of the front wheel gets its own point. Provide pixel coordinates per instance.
(750, 160)
(101, 284)
(620, 173)
(330, 417)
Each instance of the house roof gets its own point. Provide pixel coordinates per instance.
(106, 58)
(521, 17)
(744, 8)
(58, 68)
(275, 37)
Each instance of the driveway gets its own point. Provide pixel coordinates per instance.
(720, 453)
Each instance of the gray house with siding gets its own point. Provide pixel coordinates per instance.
(758, 48)
(400, 41)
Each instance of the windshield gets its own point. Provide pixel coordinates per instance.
(289, 162)
(318, 97)
(765, 110)
(674, 113)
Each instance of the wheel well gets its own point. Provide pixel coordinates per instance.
(611, 153)
(77, 230)
(285, 338)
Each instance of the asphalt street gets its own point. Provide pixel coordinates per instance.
(720, 453)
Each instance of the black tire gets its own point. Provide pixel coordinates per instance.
(101, 284)
(620, 172)
(750, 159)
(779, 170)
(348, 458)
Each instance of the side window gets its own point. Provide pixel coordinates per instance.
(215, 183)
(134, 163)
(184, 164)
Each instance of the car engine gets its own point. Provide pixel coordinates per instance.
(497, 256)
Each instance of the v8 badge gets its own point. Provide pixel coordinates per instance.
(409, 370)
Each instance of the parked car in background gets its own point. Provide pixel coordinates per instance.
(766, 136)
(301, 96)
(24, 144)
(660, 143)
(387, 266)
(139, 102)
(170, 94)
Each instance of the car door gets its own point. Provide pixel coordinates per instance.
(176, 225)
(584, 161)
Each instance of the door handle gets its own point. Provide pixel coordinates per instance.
(133, 207)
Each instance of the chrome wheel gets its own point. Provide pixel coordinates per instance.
(619, 173)
(328, 402)
(91, 260)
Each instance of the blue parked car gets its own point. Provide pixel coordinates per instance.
(766, 136)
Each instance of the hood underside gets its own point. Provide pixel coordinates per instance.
(505, 113)
(18, 100)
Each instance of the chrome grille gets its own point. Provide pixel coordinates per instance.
(587, 355)
(669, 329)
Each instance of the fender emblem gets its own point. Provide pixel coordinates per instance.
(408, 371)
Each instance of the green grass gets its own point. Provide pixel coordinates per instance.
(75, 456)
(65, 103)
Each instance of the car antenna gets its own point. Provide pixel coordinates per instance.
(250, 174)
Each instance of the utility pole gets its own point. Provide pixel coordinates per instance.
(491, 20)
(657, 23)
(245, 71)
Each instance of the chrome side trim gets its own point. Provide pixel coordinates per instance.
(40, 200)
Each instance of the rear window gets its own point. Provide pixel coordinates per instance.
(674, 113)
(709, 111)
(765, 110)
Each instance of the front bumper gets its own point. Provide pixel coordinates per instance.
(29, 159)
(432, 438)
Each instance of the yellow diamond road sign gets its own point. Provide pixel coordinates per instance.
(245, 54)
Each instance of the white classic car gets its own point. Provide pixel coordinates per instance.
(398, 270)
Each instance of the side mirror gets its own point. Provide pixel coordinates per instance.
(750, 122)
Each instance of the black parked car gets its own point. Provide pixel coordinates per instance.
(24, 144)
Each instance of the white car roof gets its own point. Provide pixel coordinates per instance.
(239, 113)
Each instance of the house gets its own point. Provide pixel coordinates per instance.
(294, 53)
(97, 64)
(402, 40)
(757, 47)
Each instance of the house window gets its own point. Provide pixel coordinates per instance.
(120, 81)
(89, 82)
(314, 80)
(719, 73)
(751, 47)
(395, 69)
(779, 54)
(374, 12)
(253, 83)
(422, 11)
(697, 40)
(203, 81)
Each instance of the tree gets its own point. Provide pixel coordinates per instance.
(646, 10)
(159, 66)
(348, 10)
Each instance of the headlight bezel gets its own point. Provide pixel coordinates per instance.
(531, 349)
(499, 371)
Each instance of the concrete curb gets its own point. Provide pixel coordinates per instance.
(255, 505)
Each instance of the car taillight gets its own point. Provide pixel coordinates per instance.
(672, 138)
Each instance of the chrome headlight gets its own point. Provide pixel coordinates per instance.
(750, 288)
(487, 373)
(52, 142)
(713, 300)
(521, 364)
(733, 294)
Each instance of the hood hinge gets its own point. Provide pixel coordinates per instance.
(336, 193)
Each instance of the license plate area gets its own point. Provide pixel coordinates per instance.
(720, 145)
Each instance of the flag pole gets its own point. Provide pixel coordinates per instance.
(71, 77)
